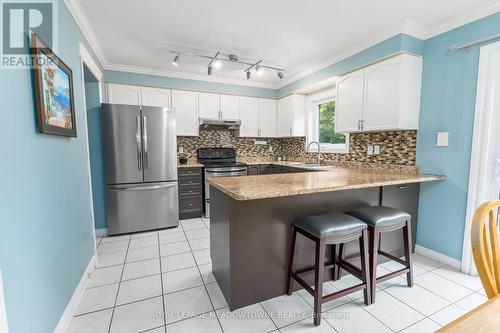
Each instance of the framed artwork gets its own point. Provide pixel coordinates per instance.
(53, 91)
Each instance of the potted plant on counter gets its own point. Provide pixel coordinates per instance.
(183, 158)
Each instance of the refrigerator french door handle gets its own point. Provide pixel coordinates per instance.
(141, 188)
(138, 140)
(145, 141)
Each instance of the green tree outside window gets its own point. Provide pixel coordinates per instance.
(327, 124)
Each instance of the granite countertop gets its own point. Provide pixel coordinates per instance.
(190, 164)
(323, 179)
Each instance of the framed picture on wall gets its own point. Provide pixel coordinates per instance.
(53, 91)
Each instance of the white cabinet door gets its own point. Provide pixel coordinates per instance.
(349, 105)
(186, 112)
(382, 101)
(267, 117)
(285, 116)
(208, 105)
(155, 97)
(124, 94)
(249, 116)
(230, 106)
(299, 115)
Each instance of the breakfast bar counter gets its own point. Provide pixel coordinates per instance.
(251, 219)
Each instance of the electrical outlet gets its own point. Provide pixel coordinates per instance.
(376, 150)
(270, 149)
(260, 142)
(181, 150)
(370, 150)
(442, 139)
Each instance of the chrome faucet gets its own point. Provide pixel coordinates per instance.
(319, 149)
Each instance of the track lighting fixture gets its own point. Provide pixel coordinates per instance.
(175, 62)
(217, 60)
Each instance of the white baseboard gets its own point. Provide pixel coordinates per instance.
(69, 312)
(436, 256)
(3, 312)
(101, 232)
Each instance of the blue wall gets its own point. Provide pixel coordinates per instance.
(96, 156)
(46, 237)
(185, 84)
(447, 104)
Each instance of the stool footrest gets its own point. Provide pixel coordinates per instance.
(303, 283)
(343, 292)
(392, 257)
(392, 274)
(350, 268)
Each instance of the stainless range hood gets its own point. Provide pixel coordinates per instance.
(227, 124)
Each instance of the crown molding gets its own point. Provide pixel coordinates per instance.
(456, 22)
(184, 75)
(83, 23)
(407, 27)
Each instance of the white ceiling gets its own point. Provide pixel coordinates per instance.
(296, 35)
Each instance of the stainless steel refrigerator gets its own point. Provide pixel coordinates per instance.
(140, 160)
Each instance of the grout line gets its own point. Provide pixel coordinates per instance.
(118, 290)
(204, 284)
(161, 281)
(267, 313)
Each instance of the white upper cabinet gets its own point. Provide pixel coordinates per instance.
(349, 103)
(249, 116)
(229, 107)
(155, 97)
(186, 111)
(390, 96)
(267, 117)
(291, 116)
(124, 94)
(209, 105)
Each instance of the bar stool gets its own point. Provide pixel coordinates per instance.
(382, 219)
(330, 229)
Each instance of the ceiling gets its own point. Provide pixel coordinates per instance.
(299, 36)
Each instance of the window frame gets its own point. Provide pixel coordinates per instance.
(313, 102)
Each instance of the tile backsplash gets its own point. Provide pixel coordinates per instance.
(396, 147)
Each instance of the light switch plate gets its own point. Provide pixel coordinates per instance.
(181, 150)
(376, 150)
(442, 139)
(370, 150)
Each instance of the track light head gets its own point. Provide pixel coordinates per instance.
(175, 62)
(209, 70)
(249, 75)
(281, 75)
(258, 69)
(217, 63)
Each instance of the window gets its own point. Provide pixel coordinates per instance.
(326, 125)
(322, 124)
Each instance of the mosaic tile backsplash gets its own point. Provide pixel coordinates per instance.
(397, 147)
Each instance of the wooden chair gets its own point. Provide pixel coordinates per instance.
(486, 246)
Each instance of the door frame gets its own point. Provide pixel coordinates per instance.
(87, 60)
(483, 126)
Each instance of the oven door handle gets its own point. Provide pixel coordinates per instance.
(226, 173)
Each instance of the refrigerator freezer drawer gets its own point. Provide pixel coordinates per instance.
(140, 207)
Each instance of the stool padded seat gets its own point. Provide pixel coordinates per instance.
(335, 225)
(380, 216)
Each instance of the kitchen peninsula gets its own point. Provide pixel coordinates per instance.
(252, 217)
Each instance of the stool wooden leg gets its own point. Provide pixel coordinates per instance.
(339, 259)
(373, 254)
(319, 273)
(290, 261)
(407, 245)
(363, 250)
(335, 263)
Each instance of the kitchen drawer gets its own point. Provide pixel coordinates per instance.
(190, 190)
(189, 172)
(190, 203)
(190, 181)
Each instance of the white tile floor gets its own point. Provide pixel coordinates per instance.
(140, 277)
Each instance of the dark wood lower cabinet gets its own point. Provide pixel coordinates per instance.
(250, 240)
(190, 192)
